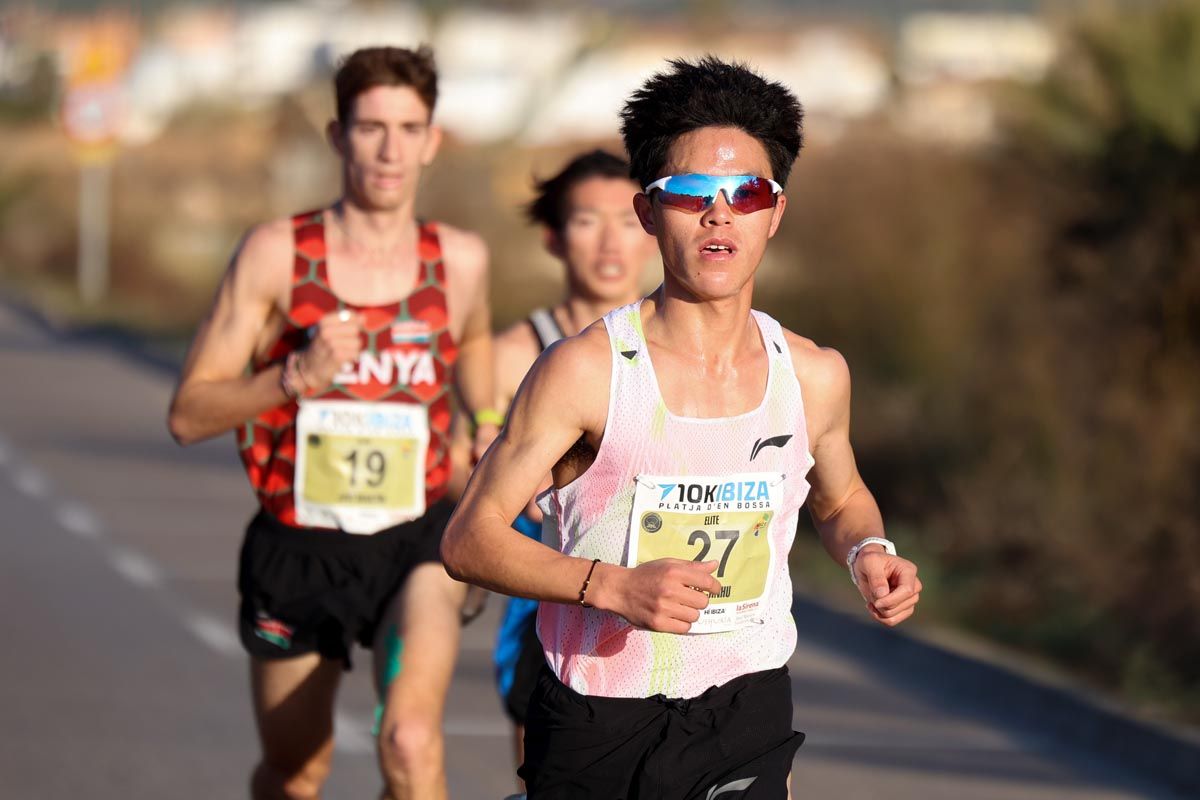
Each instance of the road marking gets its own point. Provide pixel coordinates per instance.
(135, 568)
(217, 635)
(78, 520)
(30, 481)
(352, 734)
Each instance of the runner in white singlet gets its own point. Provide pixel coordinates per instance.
(684, 433)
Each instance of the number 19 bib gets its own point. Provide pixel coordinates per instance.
(360, 466)
(725, 519)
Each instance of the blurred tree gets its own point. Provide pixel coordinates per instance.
(1101, 457)
(32, 100)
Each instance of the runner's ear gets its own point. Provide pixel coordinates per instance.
(433, 141)
(553, 242)
(333, 135)
(645, 213)
(777, 214)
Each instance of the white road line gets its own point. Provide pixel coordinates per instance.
(352, 734)
(135, 568)
(78, 520)
(30, 481)
(217, 635)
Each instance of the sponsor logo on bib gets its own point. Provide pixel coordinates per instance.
(714, 496)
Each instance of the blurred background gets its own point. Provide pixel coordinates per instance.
(996, 219)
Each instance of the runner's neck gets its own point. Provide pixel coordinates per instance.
(382, 234)
(575, 313)
(365, 267)
(714, 332)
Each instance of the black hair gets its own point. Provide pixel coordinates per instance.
(710, 93)
(549, 207)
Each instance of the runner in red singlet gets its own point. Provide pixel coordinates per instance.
(356, 321)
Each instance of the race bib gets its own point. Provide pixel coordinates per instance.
(360, 466)
(725, 519)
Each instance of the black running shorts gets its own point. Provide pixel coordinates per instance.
(306, 591)
(734, 741)
(530, 663)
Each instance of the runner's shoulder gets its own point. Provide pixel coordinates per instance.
(464, 253)
(577, 367)
(262, 263)
(822, 371)
(515, 349)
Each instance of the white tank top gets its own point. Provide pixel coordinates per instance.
(727, 489)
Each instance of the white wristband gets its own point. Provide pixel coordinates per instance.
(852, 556)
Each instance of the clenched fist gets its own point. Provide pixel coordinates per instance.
(664, 595)
(336, 340)
(889, 584)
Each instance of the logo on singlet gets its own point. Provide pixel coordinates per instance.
(774, 441)
(412, 331)
(390, 367)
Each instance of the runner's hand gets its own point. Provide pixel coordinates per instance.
(337, 341)
(663, 595)
(889, 584)
(484, 436)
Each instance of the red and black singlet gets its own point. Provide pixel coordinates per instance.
(408, 357)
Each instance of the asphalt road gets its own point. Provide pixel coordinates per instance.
(121, 675)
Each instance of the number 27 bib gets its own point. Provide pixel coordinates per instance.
(726, 519)
(360, 466)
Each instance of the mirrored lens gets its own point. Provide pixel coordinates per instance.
(750, 196)
(690, 192)
(694, 193)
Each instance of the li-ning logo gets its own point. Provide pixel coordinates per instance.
(733, 786)
(774, 441)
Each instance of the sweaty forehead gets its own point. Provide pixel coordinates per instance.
(717, 151)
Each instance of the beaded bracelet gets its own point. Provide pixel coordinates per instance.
(583, 590)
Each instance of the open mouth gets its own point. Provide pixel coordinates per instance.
(718, 248)
(610, 270)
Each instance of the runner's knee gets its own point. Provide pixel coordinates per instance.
(271, 782)
(412, 743)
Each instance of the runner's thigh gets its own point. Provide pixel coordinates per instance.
(293, 708)
(426, 613)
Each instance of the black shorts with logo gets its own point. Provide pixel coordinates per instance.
(734, 741)
(306, 591)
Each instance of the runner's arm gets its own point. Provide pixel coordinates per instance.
(513, 355)
(474, 370)
(564, 397)
(213, 394)
(842, 507)
(544, 420)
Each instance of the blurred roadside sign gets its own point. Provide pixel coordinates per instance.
(95, 54)
(91, 118)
